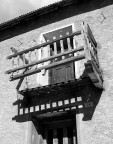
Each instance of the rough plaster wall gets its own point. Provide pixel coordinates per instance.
(10, 131)
(100, 128)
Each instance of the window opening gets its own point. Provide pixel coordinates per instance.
(63, 72)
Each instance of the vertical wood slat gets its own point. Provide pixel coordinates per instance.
(65, 137)
(55, 137)
(55, 48)
(69, 44)
(91, 44)
(93, 52)
(75, 44)
(62, 46)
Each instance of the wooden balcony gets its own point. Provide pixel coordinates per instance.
(27, 62)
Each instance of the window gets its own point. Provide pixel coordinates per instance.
(63, 72)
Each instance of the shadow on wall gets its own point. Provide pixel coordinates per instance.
(80, 97)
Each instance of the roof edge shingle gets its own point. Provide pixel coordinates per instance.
(38, 12)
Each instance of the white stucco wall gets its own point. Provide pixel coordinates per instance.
(100, 128)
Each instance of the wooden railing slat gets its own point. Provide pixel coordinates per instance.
(44, 60)
(42, 45)
(62, 46)
(69, 44)
(27, 73)
(55, 48)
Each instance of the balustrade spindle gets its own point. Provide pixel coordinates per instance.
(69, 44)
(93, 54)
(62, 47)
(75, 44)
(55, 48)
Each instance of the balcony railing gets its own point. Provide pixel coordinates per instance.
(23, 65)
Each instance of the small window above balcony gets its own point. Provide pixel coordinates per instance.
(57, 34)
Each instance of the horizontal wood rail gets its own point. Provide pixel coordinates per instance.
(27, 73)
(42, 45)
(59, 51)
(45, 60)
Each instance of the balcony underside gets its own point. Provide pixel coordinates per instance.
(78, 96)
(58, 88)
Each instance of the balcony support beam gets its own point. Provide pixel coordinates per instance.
(94, 74)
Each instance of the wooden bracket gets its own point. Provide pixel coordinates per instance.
(94, 74)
